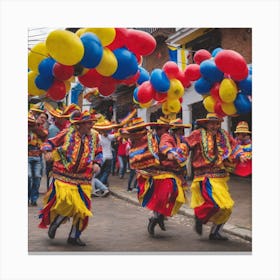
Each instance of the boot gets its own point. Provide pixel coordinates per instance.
(54, 226)
(198, 226)
(215, 233)
(76, 241)
(161, 222)
(151, 226)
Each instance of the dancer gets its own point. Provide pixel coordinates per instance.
(69, 196)
(214, 150)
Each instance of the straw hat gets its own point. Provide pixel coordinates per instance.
(242, 127)
(65, 113)
(178, 123)
(161, 122)
(104, 125)
(209, 118)
(136, 124)
(81, 117)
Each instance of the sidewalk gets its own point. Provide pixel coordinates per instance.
(240, 222)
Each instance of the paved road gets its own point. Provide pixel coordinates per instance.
(121, 227)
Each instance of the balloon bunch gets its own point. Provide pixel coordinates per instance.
(166, 86)
(98, 57)
(224, 80)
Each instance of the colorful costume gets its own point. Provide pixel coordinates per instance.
(70, 191)
(213, 156)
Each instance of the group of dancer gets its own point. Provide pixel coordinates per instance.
(159, 153)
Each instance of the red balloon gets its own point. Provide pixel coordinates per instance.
(171, 69)
(140, 42)
(132, 80)
(232, 63)
(201, 55)
(57, 91)
(146, 92)
(63, 72)
(218, 109)
(160, 97)
(120, 39)
(192, 72)
(183, 79)
(107, 86)
(215, 92)
(91, 79)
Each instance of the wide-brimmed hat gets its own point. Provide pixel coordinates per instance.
(136, 124)
(178, 123)
(210, 117)
(161, 122)
(58, 113)
(81, 117)
(31, 118)
(105, 125)
(242, 127)
(38, 108)
(129, 117)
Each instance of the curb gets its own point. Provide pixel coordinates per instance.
(228, 228)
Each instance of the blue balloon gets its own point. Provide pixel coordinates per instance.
(144, 75)
(210, 72)
(44, 82)
(216, 51)
(159, 80)
(250, 70)
(93, 50)
(127, 64)
(246, 85)
(202, 86)
(45, 67)
(242, 104)
(135, 94)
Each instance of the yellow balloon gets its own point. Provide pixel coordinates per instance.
(136, 102)
(209, 103)
(146, 105)
(229, 108)
(65, 47)
(105, 35)
(176, 89)
(36, 55)
(32, 88)
(164, 108)
(108, 64)
(80, 31)
(173, 105)
(228, 90)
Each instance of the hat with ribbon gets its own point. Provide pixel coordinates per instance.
(78, 117)
(38, 108)
(58, 113)
(161, 122)
(136, 124)
(103, 124)
(242, 127)
(210, 117)
(178, 123)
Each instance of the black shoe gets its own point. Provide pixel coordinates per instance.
(75, 241)
(161, 222)
(52, 230)
(217, 236)
(198, 226)
(151, 226)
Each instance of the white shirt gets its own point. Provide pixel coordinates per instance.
(105, 143)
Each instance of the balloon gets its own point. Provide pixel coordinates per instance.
(36, 55)
(216, 51)
(192, 72)
(32, 88)
(44, 82)
(105, 35)
(173, 105)
(183, 79)
(131, 80)
(164, 108)
(91, 79)
(160, 97)
(202, 86)
(135, 95)
(57, 91)
(144, 75)
(46, 67)
(176, 89)
(65, 47)
(171, 69)
(243, 104)
(229, 108)
(107, 89)
(246, 85)
(218, 109)
(232, 63)
(80, 31)
(145, 105)
(127, 64)
(120, 39)
(201, 55)
(209, 104)
(145, 92)
(108, 64)
(215, 92)
(159, 80)
(62, 72)
(228, 90)
(210, 71)
(93, 50)
(67, 86)
(140, 42)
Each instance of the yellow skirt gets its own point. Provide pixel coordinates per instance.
(211, 199)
